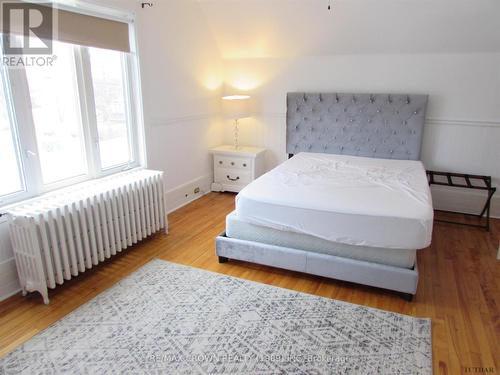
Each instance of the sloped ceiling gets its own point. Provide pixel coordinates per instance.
(285, 28)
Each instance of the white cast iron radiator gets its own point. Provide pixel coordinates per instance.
(60, 235)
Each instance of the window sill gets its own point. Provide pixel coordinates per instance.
(60, 190)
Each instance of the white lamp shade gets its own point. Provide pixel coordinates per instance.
(236, 106)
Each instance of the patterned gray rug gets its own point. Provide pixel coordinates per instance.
(171, 319)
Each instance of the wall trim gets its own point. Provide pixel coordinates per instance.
(452, 122)
(463, 200)
(430, 120)
(181, 119)
(176, 197)
(9, 282)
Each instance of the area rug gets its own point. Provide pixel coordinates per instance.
(171, 319)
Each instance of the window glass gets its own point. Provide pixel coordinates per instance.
(10, 176)
(111, 109)
(56, 115)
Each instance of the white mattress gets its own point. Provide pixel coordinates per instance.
(238, 228)
(346, 199)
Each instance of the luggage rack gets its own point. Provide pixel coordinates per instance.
(470, 180)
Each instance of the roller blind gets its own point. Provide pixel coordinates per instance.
(92, 31)
(81, 29)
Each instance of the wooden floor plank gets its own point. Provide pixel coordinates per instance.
(459, 285)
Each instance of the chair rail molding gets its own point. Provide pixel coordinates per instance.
(430, 120)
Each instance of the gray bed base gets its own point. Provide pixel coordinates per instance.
(401, 280)
(387, 126)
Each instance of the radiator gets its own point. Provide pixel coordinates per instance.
(60, 235)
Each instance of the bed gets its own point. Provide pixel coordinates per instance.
(351, 203)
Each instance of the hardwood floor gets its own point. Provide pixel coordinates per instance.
(459, 285)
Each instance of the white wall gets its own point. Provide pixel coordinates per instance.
(181, 79)
(463, 129)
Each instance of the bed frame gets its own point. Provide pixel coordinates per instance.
(387, 126)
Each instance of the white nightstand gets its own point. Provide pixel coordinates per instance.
(236, 168)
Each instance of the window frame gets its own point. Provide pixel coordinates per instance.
(14, 81)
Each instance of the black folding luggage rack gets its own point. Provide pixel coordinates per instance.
(469, 184)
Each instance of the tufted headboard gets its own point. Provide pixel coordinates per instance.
(388, 126)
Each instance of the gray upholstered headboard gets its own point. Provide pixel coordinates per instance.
(388, 126)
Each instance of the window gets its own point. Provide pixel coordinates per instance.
(56, 117)
(66, 123)
(10, 171)
(110, 106)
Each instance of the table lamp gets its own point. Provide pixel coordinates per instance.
(236, 107)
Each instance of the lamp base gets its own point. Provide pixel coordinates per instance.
(235, 132)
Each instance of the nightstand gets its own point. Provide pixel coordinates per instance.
(236, 168)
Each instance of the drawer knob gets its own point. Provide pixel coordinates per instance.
(233, 179)
(244, 164)
(232, 163)
(220, 161)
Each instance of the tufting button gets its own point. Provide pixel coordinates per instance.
(345, 109)
(378, 110)
(415, 112)
(391, 151)
(370, 121)
(351, 120)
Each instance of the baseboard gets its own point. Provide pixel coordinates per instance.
(184, 194)
(9, 282)
(463, 200)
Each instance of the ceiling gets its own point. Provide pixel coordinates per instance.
(285, 28)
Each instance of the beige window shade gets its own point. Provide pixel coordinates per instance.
(92, 31)
(83, 30)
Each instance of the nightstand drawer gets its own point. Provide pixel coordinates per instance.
(233, 162)
(232, 177)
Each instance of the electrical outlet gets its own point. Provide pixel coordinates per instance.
(196, 190)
